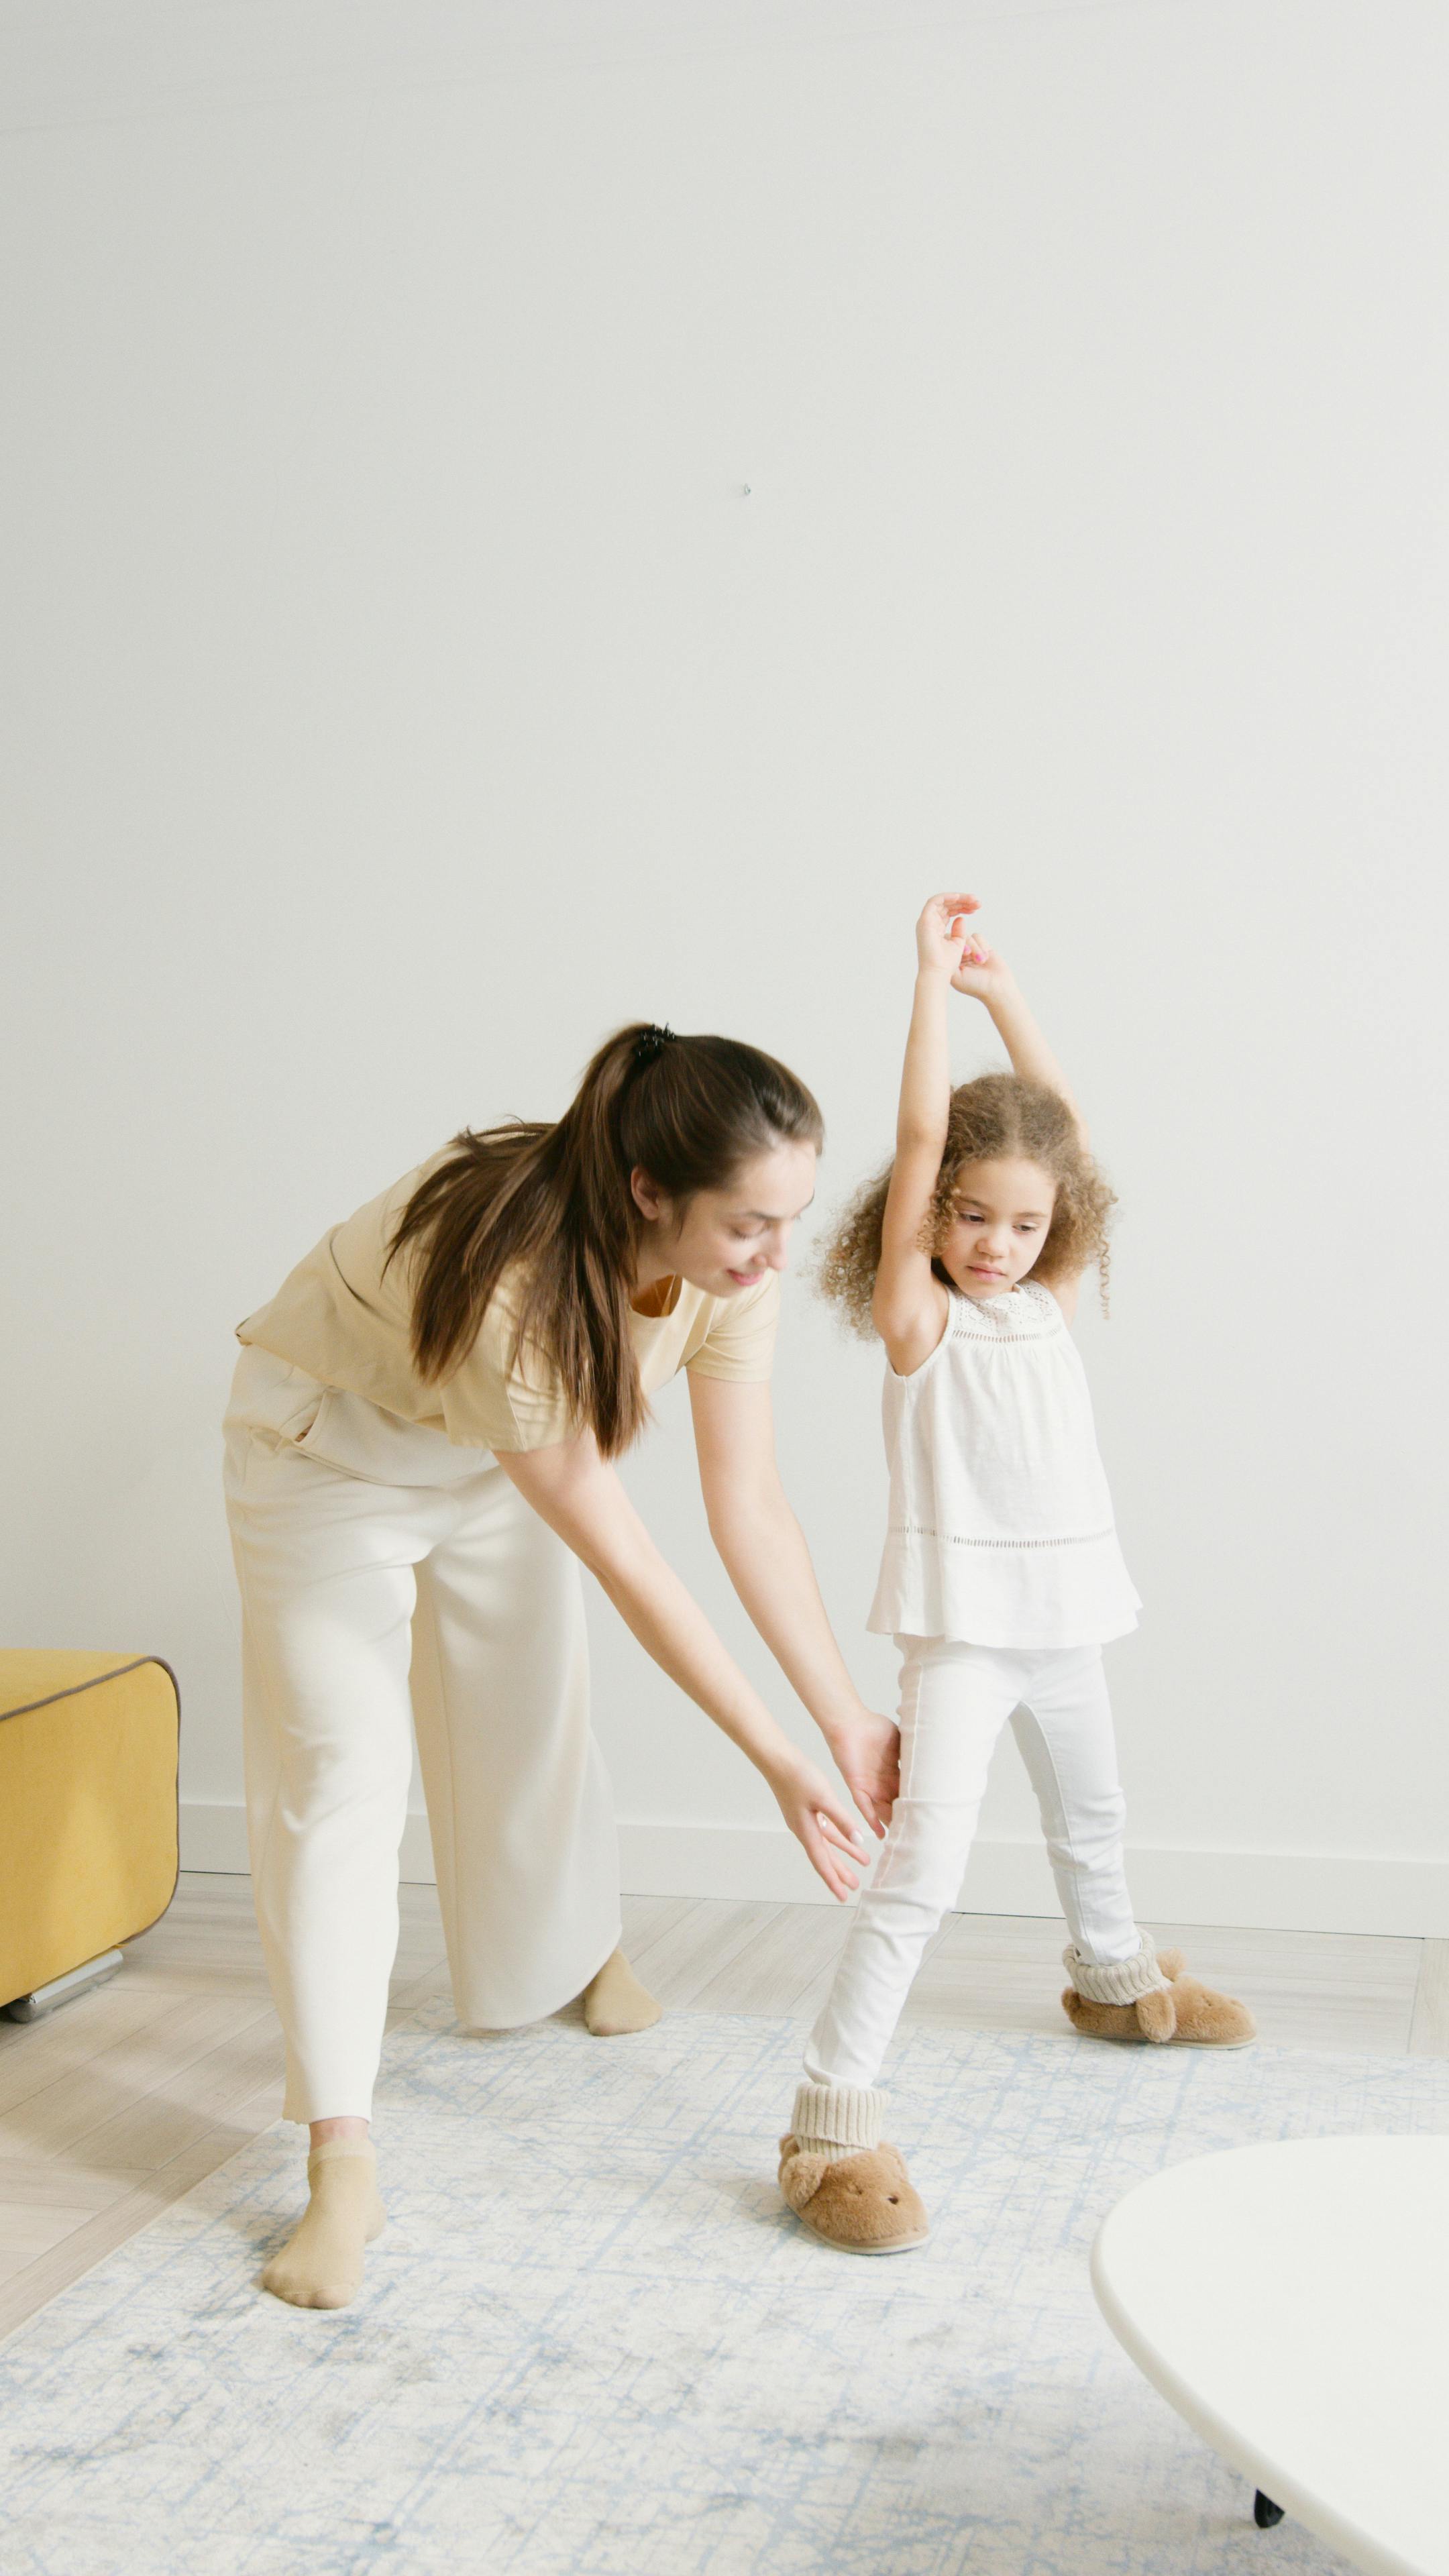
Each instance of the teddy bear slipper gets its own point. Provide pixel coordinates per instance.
(1101, 2003)
(842, 2179)
(863, 2203)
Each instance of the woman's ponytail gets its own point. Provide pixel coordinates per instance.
(553, 1205)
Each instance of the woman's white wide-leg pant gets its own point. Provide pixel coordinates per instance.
(371, 1606)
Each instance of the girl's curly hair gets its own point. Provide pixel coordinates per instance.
(996, 1116)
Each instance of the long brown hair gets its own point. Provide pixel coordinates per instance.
(996, 1116)
(556, 1200)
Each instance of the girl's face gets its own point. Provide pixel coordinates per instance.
(724, 1240)
(1002, 1212)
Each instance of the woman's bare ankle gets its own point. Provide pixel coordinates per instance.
(324, 2132)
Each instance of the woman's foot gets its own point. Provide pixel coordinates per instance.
(843, 2180)
(614, 2001)
(320, 2266)
(1101, 2003)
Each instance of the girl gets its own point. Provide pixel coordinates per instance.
(1002, 1577)
(420, 1453)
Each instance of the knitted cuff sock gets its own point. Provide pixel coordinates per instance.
(835, 2120)
(1115, 1981)
(320, 2266)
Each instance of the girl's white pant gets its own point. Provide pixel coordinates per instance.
(371, 1605)
(955, 1699)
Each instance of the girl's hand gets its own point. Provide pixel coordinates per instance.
(820, 1820)
(941, 935)
(867, 1754)
(982, 972)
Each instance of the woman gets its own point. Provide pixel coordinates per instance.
(419, 1457)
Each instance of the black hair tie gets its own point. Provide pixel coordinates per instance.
(653, 1042)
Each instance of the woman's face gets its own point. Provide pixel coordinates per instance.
(1001, 1212)
(724, 1240)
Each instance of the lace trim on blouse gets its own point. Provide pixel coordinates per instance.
(973, 1320)
(918, 1529)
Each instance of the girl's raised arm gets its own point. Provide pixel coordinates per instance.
(909, 1305)
(988, 977)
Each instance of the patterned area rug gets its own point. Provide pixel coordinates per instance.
(593, 2341)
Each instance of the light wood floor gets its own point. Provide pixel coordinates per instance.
(123, 2100)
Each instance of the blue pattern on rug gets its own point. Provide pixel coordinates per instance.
(593, 2343)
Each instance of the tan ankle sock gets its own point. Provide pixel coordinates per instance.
(320, 2266)
(615, 2002)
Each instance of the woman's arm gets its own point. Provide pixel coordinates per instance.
(909, 1304)
(581, 1498)
(763, 1551)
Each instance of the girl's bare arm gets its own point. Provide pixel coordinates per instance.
(909, 1304)
(990, 980)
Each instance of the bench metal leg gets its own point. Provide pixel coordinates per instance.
(76, 1981)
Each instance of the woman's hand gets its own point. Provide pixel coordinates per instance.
(819, 1819)
(867, 1754)
(942, 941)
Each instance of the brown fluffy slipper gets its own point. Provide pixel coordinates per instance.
(862, 2203)
(1182, 2011)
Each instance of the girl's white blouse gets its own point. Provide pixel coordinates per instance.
(1001, 1528)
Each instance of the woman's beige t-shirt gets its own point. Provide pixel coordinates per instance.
(338, 1317)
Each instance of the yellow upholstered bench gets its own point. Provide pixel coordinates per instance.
(88, 1747)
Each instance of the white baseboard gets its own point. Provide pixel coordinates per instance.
(1273, 1891)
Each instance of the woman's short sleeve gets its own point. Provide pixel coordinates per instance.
(740, 1342)
(497, 1402)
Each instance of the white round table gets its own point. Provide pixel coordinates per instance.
(1292, 2302)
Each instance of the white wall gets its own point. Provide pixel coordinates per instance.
(403, 692)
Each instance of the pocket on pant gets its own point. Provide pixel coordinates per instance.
(307, 1431)
(273, 1399)
(358, 1438)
